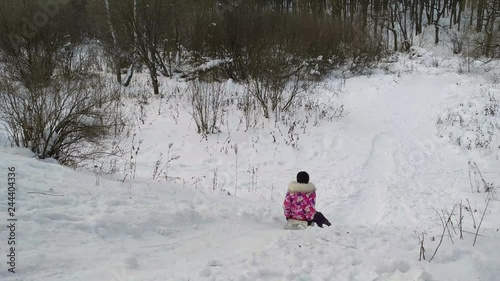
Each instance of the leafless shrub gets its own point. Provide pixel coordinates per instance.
(449, 228)
(469, 210)
(488, 199)
(494, 77)
(215, 179)
(207, 102)
(421, 240)
(251, 112)
(459, 39)
(216, 185)
(97, 174)
(477, 181)
(460, 220)
(236, 169)
(30, 55)
(52, 102)
(161, 170)
(131, 165)
(445, 222)
(364, 51)
(319, 111)
(253, 175)
(475, 124)
(276, 93)
(63, 120)
(157, 167)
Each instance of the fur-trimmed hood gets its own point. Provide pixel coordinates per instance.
(301, 187)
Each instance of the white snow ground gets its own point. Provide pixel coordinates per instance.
(379, 171)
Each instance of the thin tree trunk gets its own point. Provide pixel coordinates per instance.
(154, 78)
(480, 15)
(436, 33)
(115, 44)
(130, 74)
(460, 10)
(118, 74)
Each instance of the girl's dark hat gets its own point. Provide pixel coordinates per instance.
(303, 177)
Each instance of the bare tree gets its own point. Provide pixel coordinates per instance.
(143, 25)
(30, 49)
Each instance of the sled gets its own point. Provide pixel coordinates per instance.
(296, 225)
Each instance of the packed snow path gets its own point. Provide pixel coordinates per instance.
(379, 172)
(392, 149)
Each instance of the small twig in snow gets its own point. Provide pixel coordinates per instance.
(445, 227)
(481, 221)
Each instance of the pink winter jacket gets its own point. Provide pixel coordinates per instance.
(300, 201)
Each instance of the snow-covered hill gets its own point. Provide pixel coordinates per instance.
(384, 176)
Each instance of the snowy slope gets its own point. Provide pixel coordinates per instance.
(380, 172)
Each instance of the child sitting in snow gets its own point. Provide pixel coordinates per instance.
(300, 202)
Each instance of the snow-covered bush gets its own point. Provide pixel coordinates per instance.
(474, 124)
(206, 105)
(252, 114)
(318, 111)
(275, 89)
(418, 52)
(494, 76)
(66, 120)
(272, 96)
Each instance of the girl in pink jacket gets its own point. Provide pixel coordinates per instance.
(300, 202)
